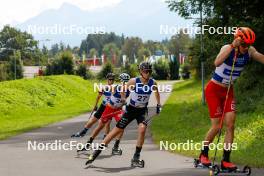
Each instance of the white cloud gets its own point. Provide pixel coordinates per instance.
(14, 11)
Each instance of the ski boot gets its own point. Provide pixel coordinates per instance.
(115, 149)
(84, 149)
(136, 162)
(202, 162)
(93, 156)
(80, 134)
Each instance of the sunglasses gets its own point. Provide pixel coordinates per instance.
(244, 45)
(111, 79)
(147, 71)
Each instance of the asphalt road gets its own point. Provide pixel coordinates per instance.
(17, 160)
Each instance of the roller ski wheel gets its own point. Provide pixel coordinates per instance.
(247, 170)
(138, 163)
(214, 170)
(116, 151)
(225, 172)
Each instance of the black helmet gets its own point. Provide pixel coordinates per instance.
(110, 75)
(124, 77)
(145, 66)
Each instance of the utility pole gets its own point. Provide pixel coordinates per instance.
(15, 63)
(202, 52)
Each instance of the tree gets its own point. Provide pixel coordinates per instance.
(93, 52)
(98, 41)
(112, 52)
(3, 72)
(179, 43)
(131, 69)
(54, 49)
(174, 69)
(131, 47)
(66, 62)
(221, 13)
(161, 70)
(45, 50)
(143, 53)
(61, 65)
(83, 72)
(15, 69)
(226, 14)
(107, 68)
(12, 39)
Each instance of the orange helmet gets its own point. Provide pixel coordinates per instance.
(246, 34)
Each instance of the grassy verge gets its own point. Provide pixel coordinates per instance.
(183, 118)
(28, 104)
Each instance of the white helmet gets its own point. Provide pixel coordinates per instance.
(124, 77)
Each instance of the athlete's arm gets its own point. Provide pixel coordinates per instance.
(223, 55)
(225, 52)
(257, 56)
(130, 83)
(156, 92)
(100, 93)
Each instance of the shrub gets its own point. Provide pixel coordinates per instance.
(84, 72)
(61, 65)
(131, 69)
(161, 70)
(3, 72)
(107, 68)
(174, 69)
(185, 71)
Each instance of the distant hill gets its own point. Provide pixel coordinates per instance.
(130, 17)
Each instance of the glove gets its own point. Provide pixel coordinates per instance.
(95, 108)
(158, 108)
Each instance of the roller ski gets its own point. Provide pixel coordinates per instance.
(229, 169)
(93, 156)
(136, 162)
(80, 134)
(84, 150)
(202, 162)
(116, 150)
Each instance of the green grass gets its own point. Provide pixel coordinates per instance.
(32, 103)
(184, 118)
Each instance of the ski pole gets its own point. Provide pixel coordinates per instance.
(223, 113)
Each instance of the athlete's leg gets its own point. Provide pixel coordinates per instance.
(141, 134)
(120, 126)
(140, 140)
(88, 125)
(115, 132)
(97, 130)
(230, 118)
(119, 136)
(107, 127)
(213, 131)
(91, 122)
(215, 122)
